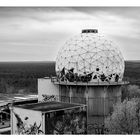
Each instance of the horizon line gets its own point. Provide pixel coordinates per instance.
(46, 61)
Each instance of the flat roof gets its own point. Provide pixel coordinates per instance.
(49, 106)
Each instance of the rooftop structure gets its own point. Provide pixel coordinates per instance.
(48, 106)
(90, 57)
(49, 118)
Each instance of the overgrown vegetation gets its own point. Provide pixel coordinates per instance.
(125, 118)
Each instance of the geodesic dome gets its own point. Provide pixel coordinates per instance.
(89, 57)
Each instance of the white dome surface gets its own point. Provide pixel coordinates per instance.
(89, 57)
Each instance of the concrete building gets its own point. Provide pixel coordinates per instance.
(89, 71)
(49, 118)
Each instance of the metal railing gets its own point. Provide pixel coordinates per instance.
(56, 80)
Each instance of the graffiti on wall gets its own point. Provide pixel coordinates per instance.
(72, 121)
(24, 128)
(49, 98)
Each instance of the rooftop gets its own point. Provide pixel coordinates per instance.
(48, 106)
(89, 31)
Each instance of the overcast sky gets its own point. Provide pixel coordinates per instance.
(36, 34)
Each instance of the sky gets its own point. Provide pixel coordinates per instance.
(37, 33)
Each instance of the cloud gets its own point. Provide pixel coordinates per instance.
(38, 33)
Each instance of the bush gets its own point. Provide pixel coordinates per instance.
(125, 118)
(131, 91)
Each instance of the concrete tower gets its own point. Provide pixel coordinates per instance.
(89, 70)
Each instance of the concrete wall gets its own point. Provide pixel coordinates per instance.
(46, 87)
(33, 116)
(100, 99)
